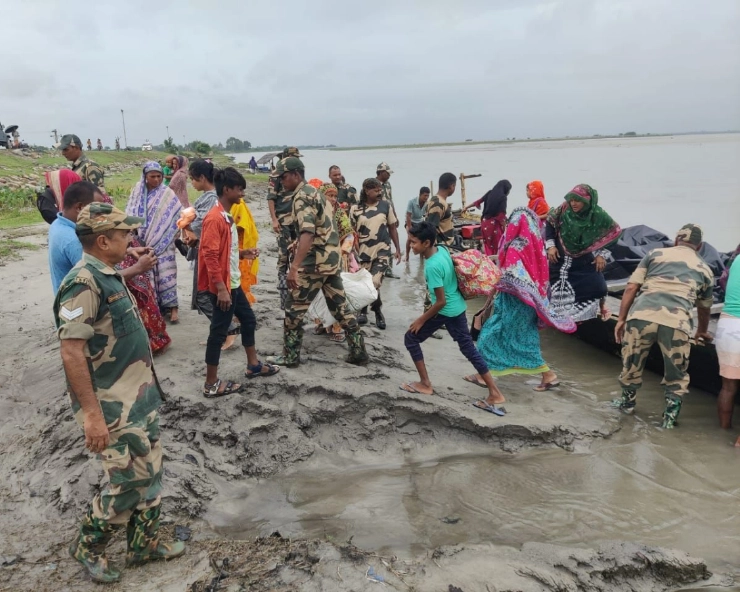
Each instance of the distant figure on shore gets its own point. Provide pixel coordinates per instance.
(100, 144)
(89, 144)
(253, 165)
(493, 216)
(71, 148)
(657, 306)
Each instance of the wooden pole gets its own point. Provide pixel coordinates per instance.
(462, 189)
(463, 176)
(431, 188)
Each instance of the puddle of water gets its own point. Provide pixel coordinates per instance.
(677, 488)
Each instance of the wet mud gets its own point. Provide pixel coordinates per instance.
(219, 453)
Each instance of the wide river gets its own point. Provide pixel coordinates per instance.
(663, 182)
(677, 489)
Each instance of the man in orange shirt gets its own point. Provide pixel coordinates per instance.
(219, 274)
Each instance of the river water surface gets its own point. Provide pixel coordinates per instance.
(678, 489)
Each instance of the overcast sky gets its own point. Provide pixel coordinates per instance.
(357, 72)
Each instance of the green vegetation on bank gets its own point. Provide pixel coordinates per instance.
(18, 206)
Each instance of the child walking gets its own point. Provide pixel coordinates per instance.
(219, 274)
(447, 310)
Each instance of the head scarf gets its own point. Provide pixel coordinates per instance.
(179, 181)
(151, 166)
(524, 268)
(315, 183)
(58, 181)
(536, 190)
(495, 200)
(590, 229)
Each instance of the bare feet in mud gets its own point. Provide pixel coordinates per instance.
(417, 388)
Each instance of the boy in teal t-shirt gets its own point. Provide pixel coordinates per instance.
(447, 310)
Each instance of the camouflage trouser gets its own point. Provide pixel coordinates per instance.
(133, 464)
(300, 299)
(639, 337)
(377, 268)
(283, 241)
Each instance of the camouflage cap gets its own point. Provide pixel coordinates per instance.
(99, 217)
(70, 140)
(291, 163)
(384, 166)
(291, 151)
(690, 233)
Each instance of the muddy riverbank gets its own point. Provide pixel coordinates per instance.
(272, 458)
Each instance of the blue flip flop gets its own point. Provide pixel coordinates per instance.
(500, 411)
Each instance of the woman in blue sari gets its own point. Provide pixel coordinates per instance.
(152, 200)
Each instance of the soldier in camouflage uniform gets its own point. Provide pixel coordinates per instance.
(439, 212)
(315, 266)
(346, 194)
(281, 207)
(71, 147)
(657, 306)
(383, 174)
(375, 223)
(114, 395)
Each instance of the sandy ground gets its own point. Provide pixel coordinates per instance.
(47, 478)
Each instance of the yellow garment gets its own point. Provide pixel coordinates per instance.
(248, 237)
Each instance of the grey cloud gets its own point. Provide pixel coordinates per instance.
(340, 72)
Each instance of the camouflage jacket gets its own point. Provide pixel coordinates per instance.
(313, 215)
(439, 213)
(283, 202)
(387, 193)
(371, 224)
(346, 194)
(94, 304)
(89, 171)
(671, 281)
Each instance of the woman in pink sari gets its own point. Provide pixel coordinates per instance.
(509, 341)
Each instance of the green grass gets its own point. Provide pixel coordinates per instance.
(9, 248)
(18, 207)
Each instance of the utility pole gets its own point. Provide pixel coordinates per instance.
(125, 141)
(56, 136)
(168, 131)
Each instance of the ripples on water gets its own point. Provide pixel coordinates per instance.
(676, 489)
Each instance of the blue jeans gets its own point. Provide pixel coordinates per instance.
(457, 327)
